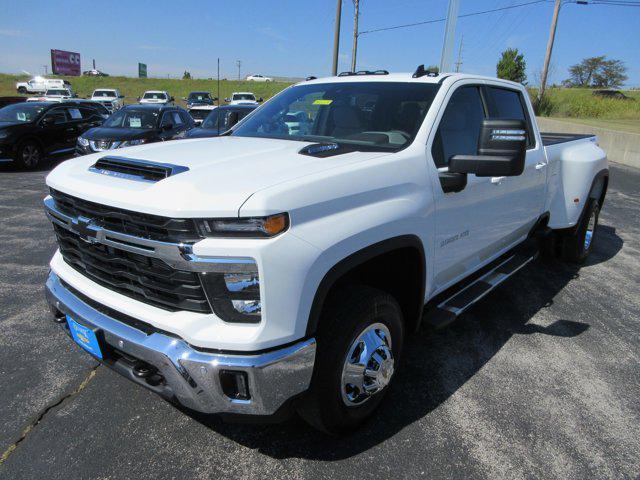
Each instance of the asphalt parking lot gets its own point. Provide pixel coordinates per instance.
(539, 380)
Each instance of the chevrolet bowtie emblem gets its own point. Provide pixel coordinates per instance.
(82, 226)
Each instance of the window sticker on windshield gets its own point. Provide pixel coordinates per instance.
(322, 101)
(22, 116)
(135, 122)
(75, 113)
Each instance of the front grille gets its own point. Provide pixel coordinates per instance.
(142, 225)
(143, 278)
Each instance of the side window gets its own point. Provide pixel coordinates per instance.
(58, 116)
(177, 119)
(74, 113)
(459, 127)
(186, 119)
(167, 119)
(505, 103)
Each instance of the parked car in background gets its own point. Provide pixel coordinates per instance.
(135, 125)
(243, 98)
(31, 131)
(54, 95)
(220, 120)
(41, 85)
(200, 112)
(259, 78)
(109, 97)
(198, 99)
(155, 96)
(94, 73)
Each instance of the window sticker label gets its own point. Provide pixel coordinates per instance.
(75, 113)
(135, 122)
(22, 116)
(323, 101)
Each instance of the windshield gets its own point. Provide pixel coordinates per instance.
(58, 92)
(132, 119)
(20, 113)
(244, 96)
(104, 93)
(382, 116)
(199, 97)
(219, 118)
(157, 96)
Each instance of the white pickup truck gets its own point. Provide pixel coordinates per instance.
(41, 85)
(111, 98)
(268, 269)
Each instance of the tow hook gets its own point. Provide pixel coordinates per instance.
(143, 370)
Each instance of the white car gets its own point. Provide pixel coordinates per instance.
(109, 97)
(268, 269)
(54, 95)
(41, 85)
(258, 78)
(243, 98)
(155, 96)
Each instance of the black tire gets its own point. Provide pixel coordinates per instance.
(22, 90)
(577, 246)
(29, 155)
(348, 315)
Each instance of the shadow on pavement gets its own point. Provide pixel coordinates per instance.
(435, 364)
(44, 166)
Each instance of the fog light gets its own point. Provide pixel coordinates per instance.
(235, 384)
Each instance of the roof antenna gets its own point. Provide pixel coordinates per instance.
(420, 72)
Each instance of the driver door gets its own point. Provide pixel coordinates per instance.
(469, 226)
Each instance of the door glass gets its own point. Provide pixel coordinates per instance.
(459, 127)
(177, 119)
(74, 113)
(58, 116)
(166, 119)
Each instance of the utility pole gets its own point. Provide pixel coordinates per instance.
(354, 50)
(94, 63)
(336, 38)
(547, 58)
(239, 63)
(459, 62)
(45, 70)
(449, 36)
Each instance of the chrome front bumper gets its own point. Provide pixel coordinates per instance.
(191, 376)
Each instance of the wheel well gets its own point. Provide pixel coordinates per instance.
(395, 266)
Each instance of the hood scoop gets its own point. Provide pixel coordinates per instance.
(133, 169)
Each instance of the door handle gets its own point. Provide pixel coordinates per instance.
(497, 180)
(540, 165)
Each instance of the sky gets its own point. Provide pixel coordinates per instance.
(294, 38)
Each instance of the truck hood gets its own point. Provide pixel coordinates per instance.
(223, 173)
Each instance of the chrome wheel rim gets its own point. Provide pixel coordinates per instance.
(368, 366)
(591, 226)
(30, 155)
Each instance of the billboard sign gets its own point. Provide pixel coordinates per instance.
(65, 63)
(142, 70)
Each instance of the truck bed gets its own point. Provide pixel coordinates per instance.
(552, 138)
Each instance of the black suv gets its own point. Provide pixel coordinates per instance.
(199, 98)
(31, 131)
(135, 125)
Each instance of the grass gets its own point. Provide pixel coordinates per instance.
(580, 103)
(132, 88)
(620, 125)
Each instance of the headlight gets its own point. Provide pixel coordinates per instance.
(234, 295)
(83, 141)
(253, 227)
(132, 143)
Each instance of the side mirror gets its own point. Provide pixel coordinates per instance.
(260, 100)
(232, 119)
(502, 149)
(167, 127)
(171, 99)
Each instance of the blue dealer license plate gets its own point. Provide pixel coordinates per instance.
(85, 337)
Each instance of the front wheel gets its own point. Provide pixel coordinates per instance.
(577, 246)
(29, 155)
(22, 90)
(359, 344)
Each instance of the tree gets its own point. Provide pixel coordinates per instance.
(597, 72)
(186, 76)
(512, 66)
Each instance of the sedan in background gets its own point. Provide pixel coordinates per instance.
(31, 131)
(259, 78)
(135, 125)
(220, 120)
(155, 96)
